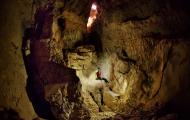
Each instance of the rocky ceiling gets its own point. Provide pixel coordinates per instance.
(134, 63)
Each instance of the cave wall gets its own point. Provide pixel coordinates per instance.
(151, 36)
(15, 16)
(149, 41)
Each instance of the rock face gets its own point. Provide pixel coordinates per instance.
(81, 58)
(133, 64)
(14, 102)
(140, 46)
(66, 102)
(53, 89)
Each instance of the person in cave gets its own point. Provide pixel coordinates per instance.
(99, 76)
(100, 101)
(98, 96)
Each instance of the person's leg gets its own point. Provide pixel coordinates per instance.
(105, 80)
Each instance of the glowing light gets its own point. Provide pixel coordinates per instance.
(92, 17)
(94, 7)
(90, 21)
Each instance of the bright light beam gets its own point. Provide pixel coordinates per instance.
(92, 17)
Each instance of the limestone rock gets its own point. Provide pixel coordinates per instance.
(140, 48)
(66, 102)
(81, 58)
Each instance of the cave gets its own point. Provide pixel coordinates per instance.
(95, 60)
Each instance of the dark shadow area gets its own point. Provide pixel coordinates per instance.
(34, 89)
(9, 114)
(42, 72)
(61, 23)
(170, 108)
(93, 38)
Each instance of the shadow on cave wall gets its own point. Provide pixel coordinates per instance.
(40, 70)
(9, 114)
(34, 90)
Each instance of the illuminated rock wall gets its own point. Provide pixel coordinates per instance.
(15, 16)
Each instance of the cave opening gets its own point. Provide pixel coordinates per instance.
(108, 65)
